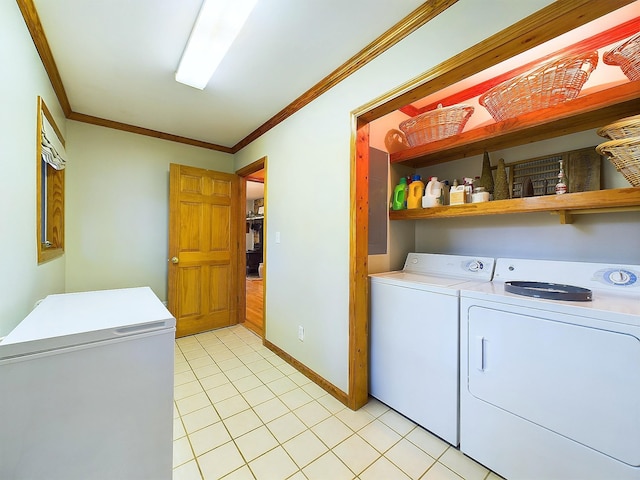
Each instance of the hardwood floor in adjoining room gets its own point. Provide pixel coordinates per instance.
(254, 314)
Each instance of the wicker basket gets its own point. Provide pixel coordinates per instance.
(437, 124)
(550, 84)
(626, 56)
(625, 155)
(395, 141)
(623, 128)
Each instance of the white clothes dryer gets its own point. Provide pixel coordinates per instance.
(414, 331)
(550, 388)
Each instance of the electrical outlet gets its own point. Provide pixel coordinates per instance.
(301, 333)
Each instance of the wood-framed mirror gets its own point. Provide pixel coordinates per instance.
(50, 165)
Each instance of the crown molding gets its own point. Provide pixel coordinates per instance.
(81, 117)
(31, 18)
(416, 19)
(406, 26)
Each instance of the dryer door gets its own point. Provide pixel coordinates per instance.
(580, 382)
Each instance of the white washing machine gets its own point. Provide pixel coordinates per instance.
(550, 388)
(414, 337)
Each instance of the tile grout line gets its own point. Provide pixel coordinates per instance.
(233, 439)
(239, 342)
(330, 449)
(299, 468)
(308, 428)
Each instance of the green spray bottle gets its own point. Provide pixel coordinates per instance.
(400, 195)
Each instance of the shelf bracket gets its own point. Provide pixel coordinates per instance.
(631, 208)
(565, 217)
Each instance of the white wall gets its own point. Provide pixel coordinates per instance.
(118, 206)
(604, 237)
(23, 78)
(309, 186)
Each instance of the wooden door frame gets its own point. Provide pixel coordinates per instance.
(243, 173)
(537, 28)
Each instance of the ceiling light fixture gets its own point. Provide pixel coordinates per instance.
(215, 29)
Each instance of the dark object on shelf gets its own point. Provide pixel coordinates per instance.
(501, 188)
(527, 188)
(486, 178)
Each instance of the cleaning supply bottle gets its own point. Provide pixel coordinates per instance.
(432, 193)
(457, 195)
(399, 195)
(445, 192)
(468, 189)
(416, 191)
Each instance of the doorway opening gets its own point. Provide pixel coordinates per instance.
(251, 297)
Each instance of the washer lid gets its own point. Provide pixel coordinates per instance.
(549, 291)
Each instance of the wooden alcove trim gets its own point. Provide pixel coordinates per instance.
(543, 25)
(31, 18)
(245, 173)
(358, 267)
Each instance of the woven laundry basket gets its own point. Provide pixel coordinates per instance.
(552, 83)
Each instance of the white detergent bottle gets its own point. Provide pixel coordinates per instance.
(432, 193)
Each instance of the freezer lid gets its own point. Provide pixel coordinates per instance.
(86, 317)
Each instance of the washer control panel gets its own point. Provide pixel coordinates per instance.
(459, 266)
(615, 278)
(621, 277)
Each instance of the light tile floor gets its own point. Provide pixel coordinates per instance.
(241, 412)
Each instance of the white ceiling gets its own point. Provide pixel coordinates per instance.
(117, 59)
(254, 190)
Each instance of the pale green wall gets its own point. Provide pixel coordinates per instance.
(308, 188)
(117, 190)
(118, 206)
(22, 281)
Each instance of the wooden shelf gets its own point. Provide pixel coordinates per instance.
(620, 199)
(586, 112)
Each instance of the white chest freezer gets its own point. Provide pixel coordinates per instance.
(86, 385)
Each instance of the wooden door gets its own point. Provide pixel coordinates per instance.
(203, 248)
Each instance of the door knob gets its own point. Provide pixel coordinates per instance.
(175, 260)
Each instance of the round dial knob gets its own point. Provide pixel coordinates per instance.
(619, 277)
(475, 265)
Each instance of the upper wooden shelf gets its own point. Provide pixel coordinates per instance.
(583, 113)
(563, 205)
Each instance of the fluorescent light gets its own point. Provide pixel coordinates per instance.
(217, 26)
